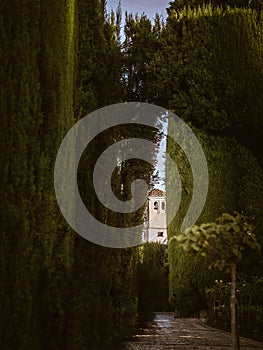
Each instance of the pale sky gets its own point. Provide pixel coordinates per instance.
(150, 7)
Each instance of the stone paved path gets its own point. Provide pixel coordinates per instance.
(169, 333)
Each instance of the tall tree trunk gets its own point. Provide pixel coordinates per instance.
(233, 309)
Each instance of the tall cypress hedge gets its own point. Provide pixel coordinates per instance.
(57, 290)
(209, 72)
(235, 184)
(36, 110)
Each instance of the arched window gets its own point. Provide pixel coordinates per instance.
(163, 205)
(155, 205)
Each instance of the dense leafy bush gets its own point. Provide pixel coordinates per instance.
(153, 279)
(250, 310)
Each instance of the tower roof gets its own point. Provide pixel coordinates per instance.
(156, 192)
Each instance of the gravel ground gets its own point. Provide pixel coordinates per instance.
(169, 333)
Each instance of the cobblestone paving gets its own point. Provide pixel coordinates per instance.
(169, 333)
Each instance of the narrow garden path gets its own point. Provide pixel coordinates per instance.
(169, 333)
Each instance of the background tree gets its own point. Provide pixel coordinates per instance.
(180, 4)
(140, 44)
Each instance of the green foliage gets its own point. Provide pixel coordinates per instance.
(152, 279)
(104, 304)
(180, 4)
(36, 108)
(188, 277)
(235, 183)
(249, 294)
(198, 72)
(141, 42)
(61, 60)
(57, 291)
(98, 60)
(222, 241)
(187, 280)
(208, 70)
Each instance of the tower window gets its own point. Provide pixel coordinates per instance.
(163, 205)
(155, 205)
(160, 234)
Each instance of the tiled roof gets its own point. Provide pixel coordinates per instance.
(156, 193)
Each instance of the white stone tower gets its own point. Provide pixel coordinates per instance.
(155, 225)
